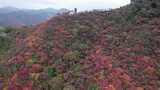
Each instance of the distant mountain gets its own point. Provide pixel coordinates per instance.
(8, 9)
(10, 16)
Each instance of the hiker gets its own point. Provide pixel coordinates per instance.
(75, 10)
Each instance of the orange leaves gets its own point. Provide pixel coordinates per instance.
(36, 68)
(33, 41)
(99, 50)
(104, 85)
(125, 78)
(111, 87)
(150, 70)
(27, 55)
(139, 88)
(14, 77)
(144, 61)
(17, 86)
(61, 29)
(58, 52)
(119, 78)
(19, 80)
(119, 73)
(116, 82)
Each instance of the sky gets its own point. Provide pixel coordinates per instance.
(69, 4)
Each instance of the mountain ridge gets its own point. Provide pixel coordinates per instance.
(15, 17)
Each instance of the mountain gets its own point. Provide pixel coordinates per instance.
(15, 17)
(8, 9)
(97, 50)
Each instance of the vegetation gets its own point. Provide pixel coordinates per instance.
(97, 50)
(6, 41)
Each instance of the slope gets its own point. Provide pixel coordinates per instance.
(98, 50)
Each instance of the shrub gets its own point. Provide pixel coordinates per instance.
(34, 58)
(93, 87)
(73, 55)
(56, 83)
(52, 72)
(69, 87)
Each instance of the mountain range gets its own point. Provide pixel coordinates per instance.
(15, 17)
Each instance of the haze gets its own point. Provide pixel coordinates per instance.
(69, 4)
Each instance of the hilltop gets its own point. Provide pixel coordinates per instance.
(96, 50)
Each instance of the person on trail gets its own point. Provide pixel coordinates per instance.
(75, 10)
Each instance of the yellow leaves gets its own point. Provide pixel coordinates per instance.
(35, 76)
(5, 88)
(3, 83)
(73, 55)
(99, 76)
(57, 82)
(29, 62)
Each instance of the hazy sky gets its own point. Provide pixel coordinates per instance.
(69, 4)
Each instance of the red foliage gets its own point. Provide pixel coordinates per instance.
(36, 68)
(110, 61)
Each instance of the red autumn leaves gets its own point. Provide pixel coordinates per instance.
(36, 68)
(109, 62)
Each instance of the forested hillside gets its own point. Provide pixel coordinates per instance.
(97, 50)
